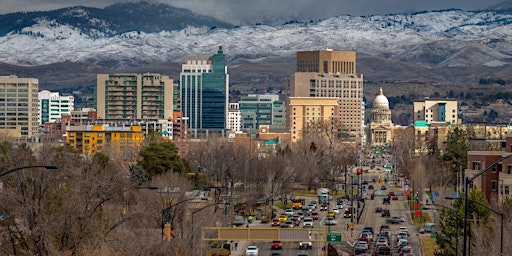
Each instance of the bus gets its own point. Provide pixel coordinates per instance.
(297, 203)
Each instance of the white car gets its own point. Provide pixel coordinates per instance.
(330, 221)
(289, 212)
(251, 250)
(336, 210)
(308, 221)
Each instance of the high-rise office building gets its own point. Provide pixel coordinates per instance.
(125, 97)
(18, 105)
(204, 91)
(329, 73)
(52, 106)
(262, 109)
(234, 117)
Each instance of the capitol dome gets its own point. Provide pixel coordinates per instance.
(381, 101)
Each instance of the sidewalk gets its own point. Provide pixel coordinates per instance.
(240, 248)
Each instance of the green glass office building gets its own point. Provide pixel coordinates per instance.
(204, 93)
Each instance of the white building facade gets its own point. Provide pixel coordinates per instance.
(52, 106)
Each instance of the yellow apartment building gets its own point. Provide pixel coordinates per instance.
(308, 112)
(89, 139)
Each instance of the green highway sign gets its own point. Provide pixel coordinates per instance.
(334, 237)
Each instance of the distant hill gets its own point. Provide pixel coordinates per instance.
(116, 19)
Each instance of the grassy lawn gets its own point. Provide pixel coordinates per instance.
(425, 217)
(429, 245)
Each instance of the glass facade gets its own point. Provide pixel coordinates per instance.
(204, 93)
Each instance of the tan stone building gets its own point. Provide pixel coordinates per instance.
(19, 106)
(436, 111)
(329, 73)
(307, 113)
(381, 127)
(134, 97)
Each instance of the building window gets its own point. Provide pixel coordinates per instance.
(71, 134)
(494, 185)
(507, 189)
(509, 169)
(475, 165)
(86, 134)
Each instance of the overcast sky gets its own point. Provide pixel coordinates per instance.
(237, 11)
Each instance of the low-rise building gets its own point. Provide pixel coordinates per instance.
(89, 139)
(496, 182)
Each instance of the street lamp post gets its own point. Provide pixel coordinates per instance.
(467, 181)
(168, 214)
(49, 167)
(196, 211)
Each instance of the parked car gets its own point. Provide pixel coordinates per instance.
(251, 250)
(276, 245)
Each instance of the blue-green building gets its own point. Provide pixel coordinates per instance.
(204, 88)
(262, 109)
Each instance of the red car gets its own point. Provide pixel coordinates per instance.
(276, 223)
(276, 245)
(315, 215)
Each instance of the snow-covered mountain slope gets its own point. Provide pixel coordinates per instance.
(441, 38)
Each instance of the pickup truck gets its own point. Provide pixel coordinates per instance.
(305, 245)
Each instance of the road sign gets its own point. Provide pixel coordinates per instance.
(334, 237)
(351, 225)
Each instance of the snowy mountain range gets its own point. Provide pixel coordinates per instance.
(445, 38)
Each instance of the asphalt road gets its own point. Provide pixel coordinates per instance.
(349, 237)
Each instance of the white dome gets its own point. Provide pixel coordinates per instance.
(381, 101)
